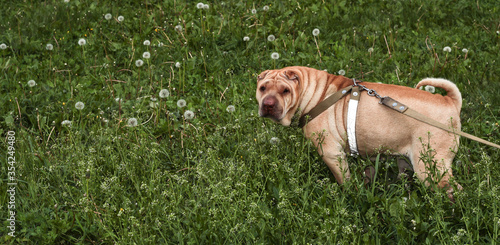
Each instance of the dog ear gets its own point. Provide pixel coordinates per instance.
(262, 75)
(291, 75)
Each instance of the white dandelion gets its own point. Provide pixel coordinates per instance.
(188, 115)
(316, 32)
(117, 99)
(254, 11)
(447, 49)
(206, 6)
(164, 93)
(49, 46)
(146, 55)
(108, 16)
(370, 50)
(147, 43)
(79, 105)
(271, 38)
(178, 64)
(66, 1)
(341, 72)
(199, 5)
(265, 8)
(275, 56)
(132, 122)
(66, 123)
(246, 39)
(465, 50)
(274, 140)
(82, 42)
(178, 28)
(3, 46)
(121, 18)
(139, 63)
(31, 83)
(230, 108)
(181, 103)
(430, 89)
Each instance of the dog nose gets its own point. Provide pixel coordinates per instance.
(269, 103)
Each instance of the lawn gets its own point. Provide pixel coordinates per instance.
(135, 122)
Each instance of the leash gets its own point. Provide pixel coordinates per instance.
(390, 103)
(401, 108)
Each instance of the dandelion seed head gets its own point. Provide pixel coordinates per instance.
(121, 18)
(315, 32)
(188, 115)
(82, 42)
(31, 83)
(66, 123)
(66, 1)
(465, 50)
(3, 46)
(139, 63)
(164, 93)
(199, 5)
(79, 105)
(275, 56)
(271, 38)
(254, 11)
(246, 39)
(147, 43)
(447, 49)
(341, 72)
(146, 55)
(178, 64)
(230, 108)
(108, 16)
(181, 103)
(265, 8)
(132, 122)
(206, 6)
(274, 140)
(370, 50)
(430, 89)
(49, 46)
(178, 28)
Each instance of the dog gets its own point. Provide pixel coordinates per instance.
(282, 93)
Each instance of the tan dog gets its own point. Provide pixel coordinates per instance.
(281, 93)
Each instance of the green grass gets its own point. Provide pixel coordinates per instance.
(217, 178)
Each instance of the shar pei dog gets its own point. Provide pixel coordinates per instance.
(283, 93)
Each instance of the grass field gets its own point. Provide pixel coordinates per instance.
(172, 150)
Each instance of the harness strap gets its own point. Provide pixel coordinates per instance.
(401, 108)
(323, 105)
(351, 120)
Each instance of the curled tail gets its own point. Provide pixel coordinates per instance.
(451, 89)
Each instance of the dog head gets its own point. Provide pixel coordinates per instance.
(278, 94)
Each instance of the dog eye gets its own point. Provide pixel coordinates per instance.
(262, 89)
(286, 91)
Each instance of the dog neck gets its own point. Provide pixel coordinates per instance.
(318, 87)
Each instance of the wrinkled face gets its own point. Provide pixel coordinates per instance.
(277, 94)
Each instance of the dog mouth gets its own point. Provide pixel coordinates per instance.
(270, 108)
(273, 115)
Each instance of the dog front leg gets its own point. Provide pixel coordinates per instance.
(337, 163)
